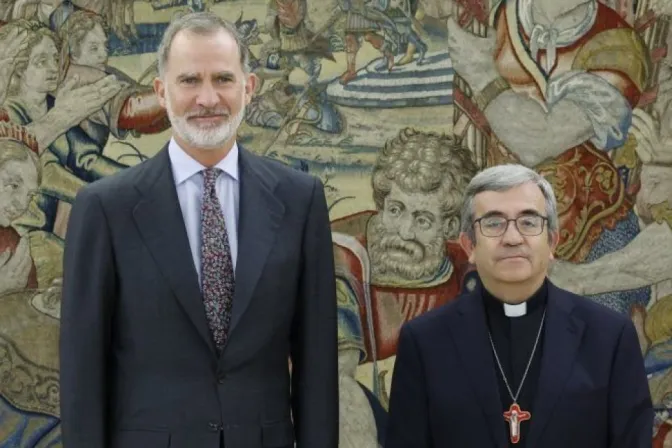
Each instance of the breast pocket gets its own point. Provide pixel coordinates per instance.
(141, 439)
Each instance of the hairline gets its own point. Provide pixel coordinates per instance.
(25, 154)
(407, 136)
(202, 24)
(502, 178)
(91, 21)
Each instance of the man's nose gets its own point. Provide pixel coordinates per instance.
(207, 96)
(512, 236)
(406, 229)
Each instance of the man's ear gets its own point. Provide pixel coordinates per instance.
(451, 228)
(160, 90)
(555, 238)
(468, 246)
(251, 81)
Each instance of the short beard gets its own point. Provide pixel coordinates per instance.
(393, 257)
(210, 138)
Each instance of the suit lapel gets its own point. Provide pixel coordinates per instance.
(160, 222)
(470, 334)
(562, 338)
(260, 215)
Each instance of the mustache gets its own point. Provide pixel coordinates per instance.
(412, 248)
(208, 113)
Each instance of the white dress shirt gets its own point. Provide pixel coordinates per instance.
(188, 176)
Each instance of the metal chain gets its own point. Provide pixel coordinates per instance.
(529, 362)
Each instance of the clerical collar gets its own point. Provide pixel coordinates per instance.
(515, 310)
(536, 301)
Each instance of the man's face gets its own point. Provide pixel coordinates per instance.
(511, 258)
(407, 237)
(93, 49)
(18, 180)
(204, 89)
(42, 70)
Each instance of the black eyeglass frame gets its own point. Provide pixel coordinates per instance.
(544, 219)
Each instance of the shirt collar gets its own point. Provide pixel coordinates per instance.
(184, 166)
(535, 302)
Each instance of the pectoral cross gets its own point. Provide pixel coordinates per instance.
(515, 416)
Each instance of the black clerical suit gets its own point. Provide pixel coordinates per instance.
(586, 387)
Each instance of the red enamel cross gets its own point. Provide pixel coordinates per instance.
(515, 416)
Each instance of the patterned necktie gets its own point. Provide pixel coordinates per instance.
(216, 266)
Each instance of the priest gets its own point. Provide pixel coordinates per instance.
(517, 361)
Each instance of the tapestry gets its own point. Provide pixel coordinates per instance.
(395, 105)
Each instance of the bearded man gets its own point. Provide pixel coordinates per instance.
(192, 278)
(402, 259)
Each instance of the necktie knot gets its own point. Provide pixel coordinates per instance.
(210, 176)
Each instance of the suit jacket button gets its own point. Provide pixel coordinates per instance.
(214, 426)
(221, 379)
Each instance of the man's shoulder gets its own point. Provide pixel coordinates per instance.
(426, 325)
(595, 314)
(281, 171)
(289, 184)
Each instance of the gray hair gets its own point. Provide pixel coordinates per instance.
(202, 23)
(424, 162)
(502, 178)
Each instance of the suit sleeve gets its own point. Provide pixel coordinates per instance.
(314, 336)
(630, 407)
(88, 292)
(408, 421)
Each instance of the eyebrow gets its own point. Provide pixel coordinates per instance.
(187, 75)
(527, 211)
(425, 213)
(226, 74)
(44, 54)
(13, 177)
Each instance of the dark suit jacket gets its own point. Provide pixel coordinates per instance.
(138, 365)
(592, 390)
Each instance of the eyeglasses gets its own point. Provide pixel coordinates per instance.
(496, 226)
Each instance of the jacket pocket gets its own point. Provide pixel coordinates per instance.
(278, 434)
(140, 439)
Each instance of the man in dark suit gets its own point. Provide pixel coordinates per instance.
(517, 361)
(192, 279)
